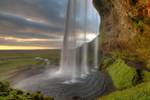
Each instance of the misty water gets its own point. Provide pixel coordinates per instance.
(74, 58)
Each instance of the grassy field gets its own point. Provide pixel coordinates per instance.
(139, 92)
(12, 61)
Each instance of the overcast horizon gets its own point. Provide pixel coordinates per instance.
(32, 23)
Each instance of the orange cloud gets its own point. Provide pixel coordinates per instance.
(5, 47)
(28, 39)
(24, 39)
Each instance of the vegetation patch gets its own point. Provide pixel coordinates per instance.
(107, 61)
(122, 75)
(145, 75)
(7, 93)
(139, 92)
(11, 62)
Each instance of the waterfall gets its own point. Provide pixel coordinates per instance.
(68, 56)
(84, 64)
(96, 43)
(79, 31)
(96, 46)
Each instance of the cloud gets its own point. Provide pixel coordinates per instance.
(32, 22)
(14, 22)
(14, 41)
(38, 22)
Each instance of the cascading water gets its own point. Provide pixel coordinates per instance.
(77, 35)
(96, 46)
(84, 64)
(68, 58)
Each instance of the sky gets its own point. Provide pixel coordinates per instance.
(34, 24)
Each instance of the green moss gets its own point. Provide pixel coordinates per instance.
(106, 61)
(6, 93)
(122, 75)
(145, 75)
(140, 92)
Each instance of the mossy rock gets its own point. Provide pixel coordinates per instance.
(145, 75)
(122, 75)
(106, 61)
(139, 92)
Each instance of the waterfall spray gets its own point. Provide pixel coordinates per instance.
(84, 65)
(96, 43)
(68, 56)
(76, 38)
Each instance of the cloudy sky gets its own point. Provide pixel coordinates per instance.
(34, 24)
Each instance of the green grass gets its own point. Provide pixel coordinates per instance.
(13, 61)
(52, 55)
(7, 93)
(10, 66)
(139, 92)
(145, 75)
(121, 74)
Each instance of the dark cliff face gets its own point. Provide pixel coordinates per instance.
(125, 26)
(116, 25)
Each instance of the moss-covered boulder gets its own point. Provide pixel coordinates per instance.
(122, 75)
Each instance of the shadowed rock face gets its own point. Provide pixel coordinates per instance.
(116, 25)
(125, 26)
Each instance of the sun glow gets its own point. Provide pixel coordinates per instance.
(22, 47)
(25, 40)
